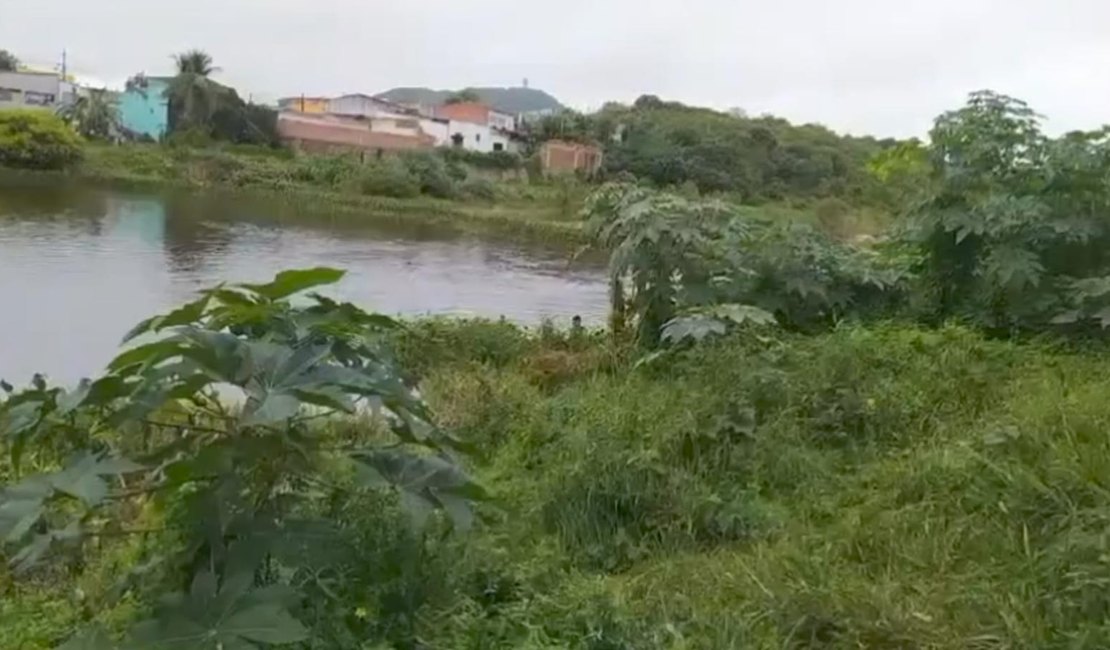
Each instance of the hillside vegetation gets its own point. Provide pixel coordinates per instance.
(508, 100)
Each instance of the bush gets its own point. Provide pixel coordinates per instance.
(35, 139)
(480, 188)
(432, 174)
(388, 178)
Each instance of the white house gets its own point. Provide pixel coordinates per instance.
(34, 89)
(358, 104)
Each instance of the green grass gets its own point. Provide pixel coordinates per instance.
(887, 487)
(884, 488)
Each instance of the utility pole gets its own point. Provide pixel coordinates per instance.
(63, 64)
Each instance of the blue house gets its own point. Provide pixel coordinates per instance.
(144, 106)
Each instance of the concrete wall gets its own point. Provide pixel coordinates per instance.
(330, 133)
(146, 111)
(502, 121)
(32, 90)
(315, 105)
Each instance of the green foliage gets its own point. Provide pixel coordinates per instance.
(1014, 228)
(672, 256)
(759, 158)
(463, 96)
(35, 139)
(94, 115)
(499, 160)
(240, 490)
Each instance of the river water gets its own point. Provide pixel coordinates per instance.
(80, 266)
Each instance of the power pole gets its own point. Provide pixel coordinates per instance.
(63, 64)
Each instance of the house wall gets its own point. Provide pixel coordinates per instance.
(32, 90)
(146, 112)
(330, 133)
(502, 121)
(465, 112)
(363, 105)
(558, 157)
(475, 137)
(316, 105)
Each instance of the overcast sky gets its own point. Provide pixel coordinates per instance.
(884, 67)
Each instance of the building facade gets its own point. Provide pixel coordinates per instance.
(314, 105)
(561, 157)
(144, 108)
(34, 90)
(477, 127)
(339, 134)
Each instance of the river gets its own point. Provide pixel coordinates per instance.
(79, 266)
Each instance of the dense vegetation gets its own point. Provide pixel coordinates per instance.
(761, 158)
(34, 139)
(783, 441)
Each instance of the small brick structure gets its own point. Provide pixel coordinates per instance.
(562, 157)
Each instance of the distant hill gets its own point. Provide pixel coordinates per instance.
(507, 100)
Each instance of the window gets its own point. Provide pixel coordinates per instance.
(9, 95)
(477, 137)
(497, 146)
(457, 140)
(38, 99)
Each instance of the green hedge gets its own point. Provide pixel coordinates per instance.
(37, 139)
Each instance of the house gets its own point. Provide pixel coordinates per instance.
(27, 89)
(144, 107)
(302, 104)
(361, 105)
(339, 133)
(561, 157)
(478, 127)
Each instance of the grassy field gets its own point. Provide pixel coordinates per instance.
(887, 487)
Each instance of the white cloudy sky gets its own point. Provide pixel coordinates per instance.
(867, 66)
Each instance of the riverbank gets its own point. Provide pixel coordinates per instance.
(545, 212)
(883, 487)
(428, 191)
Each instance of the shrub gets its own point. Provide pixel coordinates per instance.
(480, 188)
(388, 178)
(432, 174)
(35, 139)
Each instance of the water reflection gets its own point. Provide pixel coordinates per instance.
(79, 266)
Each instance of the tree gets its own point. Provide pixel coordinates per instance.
(463, 96)
(93, 115)
(1012, 227)
(193, 96)
(8, 61)
(245, 496)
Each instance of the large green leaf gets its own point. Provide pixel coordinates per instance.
(81, 477)
(183, 315)
(288, 283)
(231, 616)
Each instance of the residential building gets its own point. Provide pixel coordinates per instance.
(144, 108)
(337, 133)
(562, 157)
(358, 104)
(477, 127)
(302, 104)
(26, 89)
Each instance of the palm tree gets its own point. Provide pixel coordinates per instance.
(193, 96)
(196, 62)
(93, 115)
